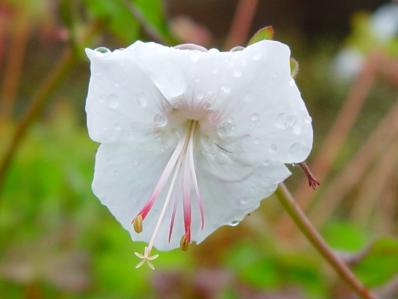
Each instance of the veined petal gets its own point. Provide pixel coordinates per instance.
(227, 202)
(127, 94)
(124, 178)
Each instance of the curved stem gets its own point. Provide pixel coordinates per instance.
(310, 232)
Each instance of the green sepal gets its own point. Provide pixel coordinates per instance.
(265, 33)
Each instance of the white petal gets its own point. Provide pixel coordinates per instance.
(253, 93)
(124, 98)
(227, 203)
(125, 176)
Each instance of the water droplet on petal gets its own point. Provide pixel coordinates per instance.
(254, 117)
(256, 141)
(247, 99)
(214, 71)
(273, 148)
(225, 129)
(234, 223)
(285, 121)
(297, 128)
(298, 150)
(194, 58)
(213, 50)
(292, 83)
(257, 57)
(160, 120)
(113, 103)
(142, 101)
(116, 84)
(308, 119)
(237, 73)
(117, 128)
(102, 50)
(243, 201)
(226, 89)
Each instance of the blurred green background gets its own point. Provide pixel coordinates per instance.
(58, 241)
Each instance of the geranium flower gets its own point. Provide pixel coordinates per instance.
(191, 139)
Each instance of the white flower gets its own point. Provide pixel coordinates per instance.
(192, 139)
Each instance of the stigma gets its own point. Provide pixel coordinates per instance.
(180, 165)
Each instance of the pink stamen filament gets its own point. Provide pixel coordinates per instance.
(181, 159)
(163, 179)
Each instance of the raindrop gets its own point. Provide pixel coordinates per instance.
(308, 119)
(254, 118)
(285, 121)
(257, 57)
(102, 50)
(113, 102)
(225, 128)
(298, 150)
(243, 201)
(292, 83)
(237, 73)
(273, 148)
(297, 128)
(160, 120)
(234, 223)
(213, 50)
(226, 89)
(194, 58)
(142, 101)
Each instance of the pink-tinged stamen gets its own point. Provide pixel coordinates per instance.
(163, 179)
(199, 199)
(173, 216)
(187, 199)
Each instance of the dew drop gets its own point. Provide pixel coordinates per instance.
(237, 73)
(194, 58)
(257, 57)
(292, 83)
(298, 150)
(160, 120)
(226, 89)
(273, 148)
(308, 119)
(142, 101)
(256, 141)
(113, 103)
(254, 118)
(297, 128)
(234, 223)
(285, 121)
(225, 128)
(243, 201)
(102, 50)
(213, 50)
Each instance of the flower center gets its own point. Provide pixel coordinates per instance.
(180, 163)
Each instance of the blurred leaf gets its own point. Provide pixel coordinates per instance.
(344, 236)
(262, 34)
(380, 264)
(294, 67)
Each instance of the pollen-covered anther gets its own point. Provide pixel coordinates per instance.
(184, 243)
(137, 224)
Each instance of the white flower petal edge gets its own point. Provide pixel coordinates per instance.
(192, 140)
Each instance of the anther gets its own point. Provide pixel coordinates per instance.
(184, 243)
(137, 224)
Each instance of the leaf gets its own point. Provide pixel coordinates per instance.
(294, 67)
(265, 33)
(380, 264)
(345, 236)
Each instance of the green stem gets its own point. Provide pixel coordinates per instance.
(310, 232)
